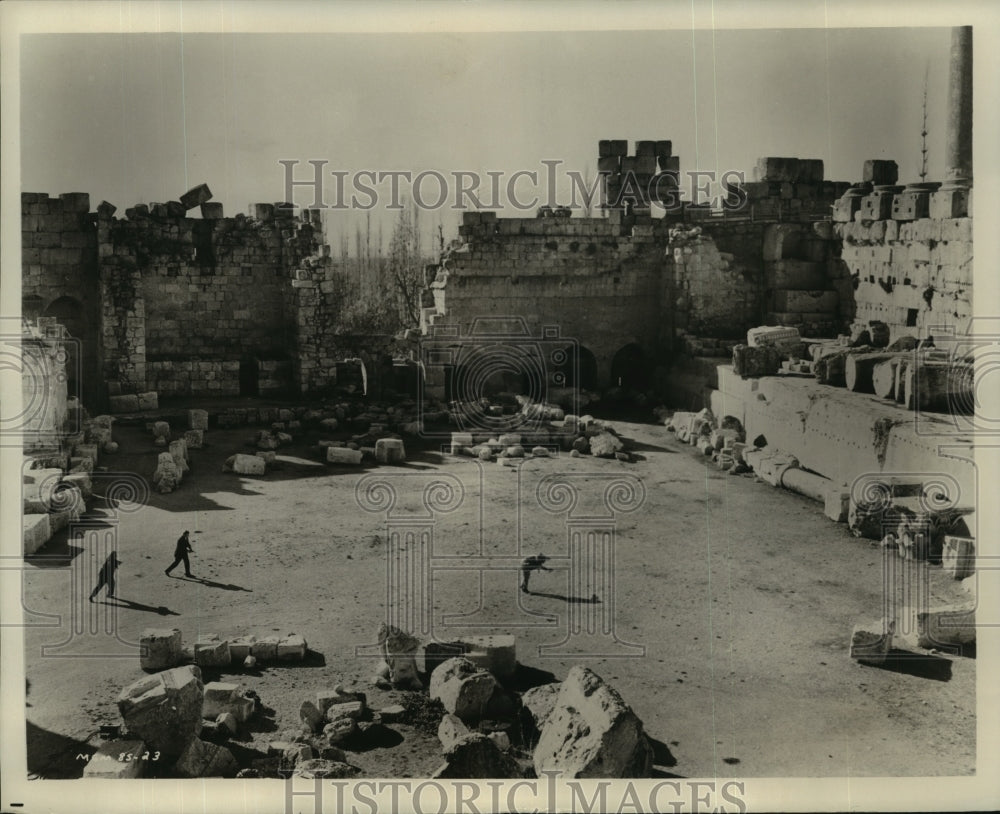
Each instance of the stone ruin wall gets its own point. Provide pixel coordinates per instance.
(601, 282)
(915, 276)
(174, 304)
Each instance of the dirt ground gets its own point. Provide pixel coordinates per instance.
(743, 596)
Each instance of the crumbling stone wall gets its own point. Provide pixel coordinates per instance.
(717, 278)
(59, 279)
(166, 302)
(598, 280)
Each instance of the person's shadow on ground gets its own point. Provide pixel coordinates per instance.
(573, 600)
(226, 586)
(120, 602)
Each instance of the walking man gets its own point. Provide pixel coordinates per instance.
(107, 576)
(181, 555)
(530, 564)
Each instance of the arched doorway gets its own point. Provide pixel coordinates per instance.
(576, 367)
(629, 368)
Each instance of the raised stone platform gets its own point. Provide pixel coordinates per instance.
(843, 435)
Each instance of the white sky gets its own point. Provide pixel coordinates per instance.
(142, 117)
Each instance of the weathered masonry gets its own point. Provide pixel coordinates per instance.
(210, 306)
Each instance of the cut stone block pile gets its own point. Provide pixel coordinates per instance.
(163, 648)
(58, 483)
(916, 375)
(578, 435)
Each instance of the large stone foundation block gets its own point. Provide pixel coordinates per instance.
(211, 651)
(390, 451)
(164, 710)
(160, 648)
(342, 455)
(36, 531)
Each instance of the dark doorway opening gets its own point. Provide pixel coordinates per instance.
(249, 376)
(628, 368)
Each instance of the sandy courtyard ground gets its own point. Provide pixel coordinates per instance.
(742, 596)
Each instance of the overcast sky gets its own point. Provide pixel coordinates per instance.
(142, 117)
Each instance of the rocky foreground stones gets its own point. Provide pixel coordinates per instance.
(592, 733)
(164, 710)
(463, 688)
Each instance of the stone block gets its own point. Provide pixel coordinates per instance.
(944, 626)
(354, 710)
(194, 439)
(592, 733)
(880, 172)
(394, 713)
(78, 464)
(269, 457)
(872, 641)
(148, 401)
(343, 455)
(196, 196)
(463, 688)
(949, 203)
(390, 451)
(228, 722)
(476, 756)
(248, 465)
(240, 647)
(211, 211)
(167, 476)
(117, 760)
(36, 531)
(160, 648)
(837, 503)
(198, 419)
(338, 695)
(75, 202)
(496, 654)
(211, 651)
(311, 717)
(164, 709)
(203, 759)
(773, 168)
(605, 445)
(161, 429)
(958, 556)
(399, 649)
(124, 404)
(911, 206)
(291, 648)
(265, 649)
(219, 698)
(539, 702)
(845, 208)
(450, 731)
